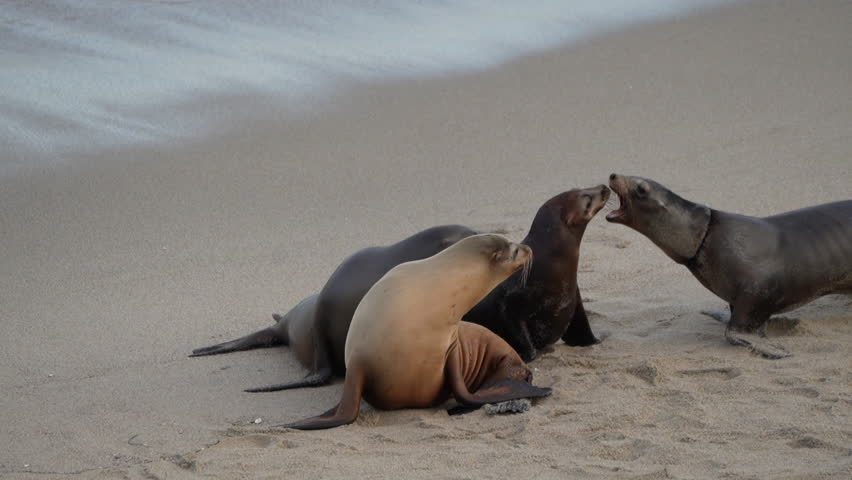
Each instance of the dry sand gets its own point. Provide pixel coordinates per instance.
(113, 267)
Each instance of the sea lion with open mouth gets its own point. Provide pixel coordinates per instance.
(760, 266)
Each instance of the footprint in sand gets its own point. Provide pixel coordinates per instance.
(725, 373)
(805, 392)
(646, 371)
(623, 450)
(810, 442)
(249, 441)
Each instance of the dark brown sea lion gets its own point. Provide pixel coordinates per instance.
(534, 314)
(316, 328)
(760, 266)
(407, 346)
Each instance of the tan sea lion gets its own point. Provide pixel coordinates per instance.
(407, 346)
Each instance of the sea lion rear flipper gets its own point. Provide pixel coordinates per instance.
(756, 344)
(345, 412)
(505, 389)
(498, 390)
(312, 379)
(745, 320)
(720, 317)
(461, 410)
(268, 337)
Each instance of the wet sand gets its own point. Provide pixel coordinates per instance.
(114, 265)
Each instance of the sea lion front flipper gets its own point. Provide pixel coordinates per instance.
(268, 337)
(312, 379)
(579, 332)
(517, 332)
(345, 412)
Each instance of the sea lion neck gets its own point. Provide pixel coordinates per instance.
(553, 241)
(680, 230)
(553, 255)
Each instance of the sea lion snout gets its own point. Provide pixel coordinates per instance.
(604, 196)
(618, 184)
(589, 202)
(519, 253)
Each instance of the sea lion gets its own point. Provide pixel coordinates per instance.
(316, 328)
(534, 314)
(407, 346)
(760, 266)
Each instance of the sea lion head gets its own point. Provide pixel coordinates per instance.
(559, 224)
(571, 210)
(502, 257)
(676, 225)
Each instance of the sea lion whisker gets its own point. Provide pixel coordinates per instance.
(525, 271)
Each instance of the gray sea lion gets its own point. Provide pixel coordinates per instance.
(760, 266)
(316, 328)
(407, 346)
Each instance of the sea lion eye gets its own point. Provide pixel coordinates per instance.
(642, 190)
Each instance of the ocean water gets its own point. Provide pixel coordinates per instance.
(79, 74)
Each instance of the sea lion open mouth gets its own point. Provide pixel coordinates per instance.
(621, 193)
(619, 212)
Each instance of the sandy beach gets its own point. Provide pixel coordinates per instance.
(114, 265)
